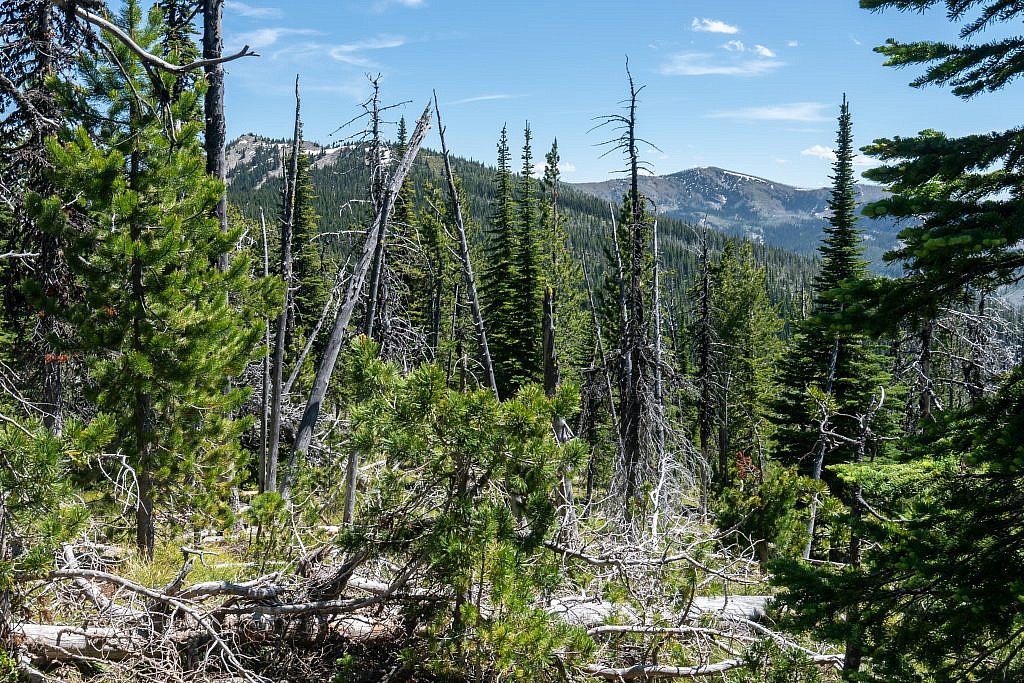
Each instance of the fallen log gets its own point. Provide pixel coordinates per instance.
(641, 672)
(590, 612)
(60, 642)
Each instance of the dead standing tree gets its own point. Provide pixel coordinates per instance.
(268, 472)
(304, 436)
(636, 387)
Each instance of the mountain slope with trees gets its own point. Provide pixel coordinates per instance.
(272, 411)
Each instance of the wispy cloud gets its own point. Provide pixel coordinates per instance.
(795, 111)
(712, 26)
(265, 37)
(854, 40)
(792, 43)
(563, 166)
(739, 46)
(350, 53)
(379, 6)
(829, 154)
(253, 12)
(705, 64)
(485, 98)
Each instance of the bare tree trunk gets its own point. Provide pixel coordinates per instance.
(288, 216)
(467, 265)
(602, 359)
(264, 471)
(659, 387)
(819, 452)
(215, 138)
(551, 371)
(376, 192)
(304, 436)
(634, 339)
(925, 366)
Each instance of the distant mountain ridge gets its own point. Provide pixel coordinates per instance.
(756, 208)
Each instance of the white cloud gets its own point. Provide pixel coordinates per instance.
(379, 42)
(563, 166)
(795, 111)
(819, 151)
(250, 11)
(712, 26)
(738, 46)
(379, 6)
(792, 43)
(484, 98)
(853, 39)
(828, 154)
(265, 37)
(349, 53)
(703, 64)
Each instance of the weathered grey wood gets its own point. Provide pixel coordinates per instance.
(467, 264)
(304, 436)
(215, 136)
(288, 216)
(60, 642)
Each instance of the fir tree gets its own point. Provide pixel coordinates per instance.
(561, 271)
(309, 266)
(832, 374)
(938, 594)
(500, 276)
(747, 329)
(528, 288)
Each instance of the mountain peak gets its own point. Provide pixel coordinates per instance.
(749, 206)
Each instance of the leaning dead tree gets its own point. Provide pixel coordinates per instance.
(467, 265)
(268, 474)
(304, 435)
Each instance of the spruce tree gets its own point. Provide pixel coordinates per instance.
(528, 288)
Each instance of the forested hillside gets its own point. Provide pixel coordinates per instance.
(339, 173)
(276, 412)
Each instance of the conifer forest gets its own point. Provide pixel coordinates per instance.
(372, 411)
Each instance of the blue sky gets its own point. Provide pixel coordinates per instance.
(748, 85)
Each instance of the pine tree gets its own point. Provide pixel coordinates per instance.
(154, 323)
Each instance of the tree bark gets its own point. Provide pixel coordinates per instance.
(215, 138)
